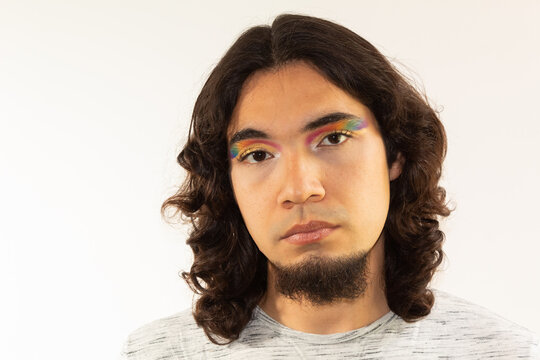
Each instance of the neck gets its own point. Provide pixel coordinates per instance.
(338, 317)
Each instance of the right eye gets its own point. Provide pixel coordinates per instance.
(256, 156)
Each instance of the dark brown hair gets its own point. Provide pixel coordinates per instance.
(229, 272)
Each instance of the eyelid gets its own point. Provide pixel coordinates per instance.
(241, 156)
(344, 132)
(242, 146)
(351, 124)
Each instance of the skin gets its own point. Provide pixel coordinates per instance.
(344, 181)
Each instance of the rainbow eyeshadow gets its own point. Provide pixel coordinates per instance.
(351, 124)
(240, 146)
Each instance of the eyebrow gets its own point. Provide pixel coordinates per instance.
(250, 133)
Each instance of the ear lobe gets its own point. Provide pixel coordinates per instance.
(397, 167)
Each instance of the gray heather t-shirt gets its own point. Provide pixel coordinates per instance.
(455, 329)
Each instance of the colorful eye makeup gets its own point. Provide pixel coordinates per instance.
(244, 147)
(352, 124)
(240, 147)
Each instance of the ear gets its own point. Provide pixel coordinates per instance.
(397, 167)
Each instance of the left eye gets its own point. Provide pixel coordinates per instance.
(335, 138)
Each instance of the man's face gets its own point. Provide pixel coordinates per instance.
(293, 177)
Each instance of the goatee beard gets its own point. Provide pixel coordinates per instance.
(321, 280)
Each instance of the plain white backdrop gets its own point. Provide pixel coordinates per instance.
(95, 103)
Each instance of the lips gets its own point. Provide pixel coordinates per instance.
(315, 227)
(304, 238)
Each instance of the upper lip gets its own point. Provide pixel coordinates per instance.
(310, 226)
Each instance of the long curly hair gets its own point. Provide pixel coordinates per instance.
(229, 273)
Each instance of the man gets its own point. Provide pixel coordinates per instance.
(312, 188)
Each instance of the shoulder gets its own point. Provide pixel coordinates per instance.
(163, 338)
(477, 328)
(453, 310)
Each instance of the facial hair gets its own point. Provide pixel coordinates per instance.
(322, 280)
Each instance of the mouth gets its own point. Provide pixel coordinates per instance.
(304, 238)
(310, 226)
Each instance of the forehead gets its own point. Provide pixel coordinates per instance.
(281, 101)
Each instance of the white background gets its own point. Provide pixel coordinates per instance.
(95, 102)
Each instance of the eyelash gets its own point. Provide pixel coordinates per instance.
(346, 133)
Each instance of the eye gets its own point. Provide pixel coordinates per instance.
(336, 138)
(256, 156)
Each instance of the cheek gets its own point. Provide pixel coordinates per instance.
(365, 186)
(252, 200)
(248, 189)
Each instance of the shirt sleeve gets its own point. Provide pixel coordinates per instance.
(124, 352)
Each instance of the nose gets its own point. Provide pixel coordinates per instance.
(300, 181)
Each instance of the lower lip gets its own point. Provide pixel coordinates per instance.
(309, 237)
